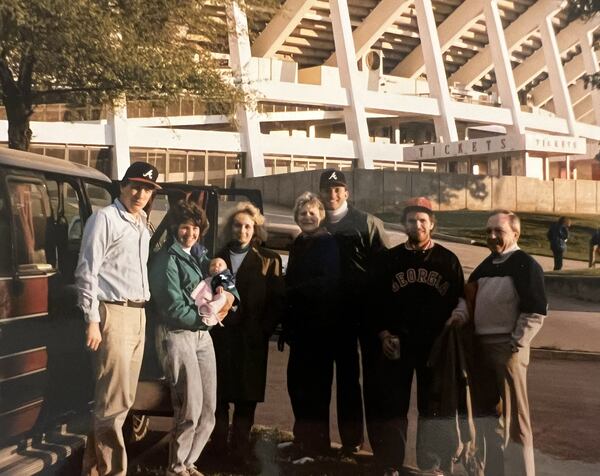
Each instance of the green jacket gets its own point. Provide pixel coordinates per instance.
(173, 275)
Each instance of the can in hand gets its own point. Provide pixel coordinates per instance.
(395, 343)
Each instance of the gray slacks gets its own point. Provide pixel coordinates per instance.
(188, 360)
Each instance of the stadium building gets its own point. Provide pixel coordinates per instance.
(482, 87)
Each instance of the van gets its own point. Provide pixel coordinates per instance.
(45, 370)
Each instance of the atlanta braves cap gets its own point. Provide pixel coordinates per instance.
(142, 172)
(332, 178)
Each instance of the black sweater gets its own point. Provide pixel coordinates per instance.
(418, 291)
(312, 281)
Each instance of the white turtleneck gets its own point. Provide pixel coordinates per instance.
(335, 216)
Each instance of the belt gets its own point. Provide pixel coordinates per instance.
(128, 303)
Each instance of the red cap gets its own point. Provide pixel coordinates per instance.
(419, 202)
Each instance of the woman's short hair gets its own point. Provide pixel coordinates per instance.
(564, 221)
(184, 212)
(310, 199)
(260, 231)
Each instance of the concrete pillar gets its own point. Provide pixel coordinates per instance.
(556, 74)
(206, 182)
(568, 166)
(117, 123)
(240, 57)
(354, 115)
(590, 60)
(187, 168)
(445, 125)
(546, 168)
(502, 66)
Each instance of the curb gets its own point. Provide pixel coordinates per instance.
(554, 354)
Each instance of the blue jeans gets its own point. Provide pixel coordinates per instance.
(188, 360)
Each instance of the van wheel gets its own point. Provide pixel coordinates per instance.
(135, 427)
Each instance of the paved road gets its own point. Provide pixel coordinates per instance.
(565, 400)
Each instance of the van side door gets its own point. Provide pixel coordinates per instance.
(26, 261)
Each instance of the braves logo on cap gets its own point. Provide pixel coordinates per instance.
(142, 172)
(332, 178)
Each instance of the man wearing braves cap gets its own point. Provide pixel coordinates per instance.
(420, 290)
(112, 283)
(360, 236)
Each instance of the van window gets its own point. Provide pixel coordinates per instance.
(32, 218)
(72, 211)
(67, 210)
(99, 196)
(5, 258)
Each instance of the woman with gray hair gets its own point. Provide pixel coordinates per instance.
(312, 282)
(242, 345)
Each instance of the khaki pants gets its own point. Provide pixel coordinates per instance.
(117, 364)
(503, 408)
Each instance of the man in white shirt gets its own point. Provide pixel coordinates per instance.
(112, 283)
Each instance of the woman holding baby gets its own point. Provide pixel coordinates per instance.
(184, 345)
(242, 345)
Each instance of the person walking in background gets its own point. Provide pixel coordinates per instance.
(183, 343)
(558, 234)
(360, 236)
(112, 283)
(509, 309)
(242, 344)
(419, 288)
(310, 326)
(594, 248)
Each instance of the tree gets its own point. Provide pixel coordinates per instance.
(585, 9)
(99, 50)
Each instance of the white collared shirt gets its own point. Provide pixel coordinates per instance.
(113, 259)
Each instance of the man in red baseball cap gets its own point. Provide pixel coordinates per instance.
(420, 287)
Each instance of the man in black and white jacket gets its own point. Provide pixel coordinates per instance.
(509, 309)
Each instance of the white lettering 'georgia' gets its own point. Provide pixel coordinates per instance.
(420, 275)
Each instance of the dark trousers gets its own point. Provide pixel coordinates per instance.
(349, 395)
(394, 382)
(371, 356)
(558, 254)
(243, 419)
(309, 379)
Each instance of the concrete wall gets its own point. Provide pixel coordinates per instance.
(387, 190)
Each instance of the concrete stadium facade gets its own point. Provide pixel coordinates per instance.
(482, 87)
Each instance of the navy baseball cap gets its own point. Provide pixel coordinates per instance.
(142, 172)
(332, 178)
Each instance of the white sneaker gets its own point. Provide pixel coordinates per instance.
(304, 460)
